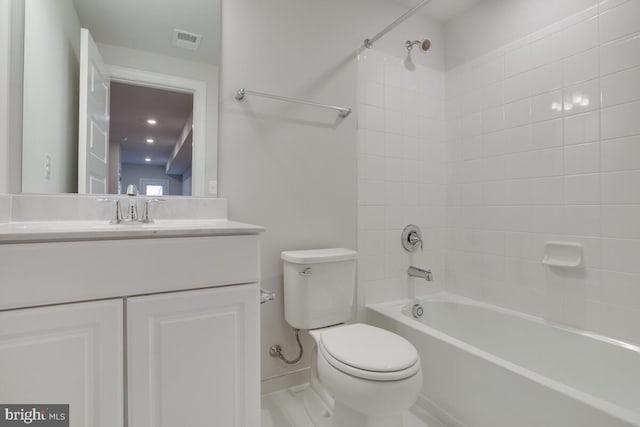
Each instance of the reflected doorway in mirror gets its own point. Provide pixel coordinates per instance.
(176, 150)
(159, 152)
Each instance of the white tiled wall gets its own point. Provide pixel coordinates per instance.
(543, 143)
(401, 175)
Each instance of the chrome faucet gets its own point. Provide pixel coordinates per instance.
(132, 211)
(419, 272)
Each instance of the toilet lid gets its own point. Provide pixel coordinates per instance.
(369, 348)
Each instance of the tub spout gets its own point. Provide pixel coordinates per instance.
(419, 272)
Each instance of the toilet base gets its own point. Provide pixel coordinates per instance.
(344, 416)
(380, 403)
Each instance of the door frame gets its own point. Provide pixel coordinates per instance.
(198, 89)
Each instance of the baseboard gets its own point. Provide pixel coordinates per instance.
(280, 382)
(432, 415)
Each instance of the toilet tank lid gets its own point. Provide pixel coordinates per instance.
(317, 256)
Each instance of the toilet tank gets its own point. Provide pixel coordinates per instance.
(319, 287)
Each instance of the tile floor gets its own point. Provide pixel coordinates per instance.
(286, 408)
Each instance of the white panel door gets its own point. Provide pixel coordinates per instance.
(67, 354)
(193, 358)
(93, 139)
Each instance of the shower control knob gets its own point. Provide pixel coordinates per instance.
(411, 238)
(414, 239)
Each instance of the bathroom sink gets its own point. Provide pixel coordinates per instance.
(39, 231)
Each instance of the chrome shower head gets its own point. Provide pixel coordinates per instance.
(425, 45)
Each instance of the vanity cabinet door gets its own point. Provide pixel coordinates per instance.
(193, 358)
(65, 354)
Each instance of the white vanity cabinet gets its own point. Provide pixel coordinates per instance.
(143, 332)
(192, 358)
(69, 354)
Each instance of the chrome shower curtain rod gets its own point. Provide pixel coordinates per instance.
(368, 43)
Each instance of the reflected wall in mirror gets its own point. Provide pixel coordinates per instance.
(87, 99)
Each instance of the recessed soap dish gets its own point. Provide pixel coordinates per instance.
(563, 254)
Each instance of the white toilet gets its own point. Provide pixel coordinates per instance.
(372, 375)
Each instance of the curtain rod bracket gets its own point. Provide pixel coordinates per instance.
(240, 93)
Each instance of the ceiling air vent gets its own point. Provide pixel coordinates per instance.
(186, 40)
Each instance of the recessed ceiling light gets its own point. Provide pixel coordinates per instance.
(150, 140)
(152, 121)
(147, 159)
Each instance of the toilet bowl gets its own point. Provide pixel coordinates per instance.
(372, 376)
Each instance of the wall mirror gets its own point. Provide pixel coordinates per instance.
(120, 92)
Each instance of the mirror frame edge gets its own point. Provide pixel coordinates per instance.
(14, 114)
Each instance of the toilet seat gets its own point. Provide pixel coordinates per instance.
(370, 375)
(371, 353)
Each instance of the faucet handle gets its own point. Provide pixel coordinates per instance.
(117, 215)
(411, 238)
(146, 218)
(415, 239)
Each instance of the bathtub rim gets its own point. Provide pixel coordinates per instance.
(458, 299)
(394, 310)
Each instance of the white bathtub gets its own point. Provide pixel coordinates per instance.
(485, 366)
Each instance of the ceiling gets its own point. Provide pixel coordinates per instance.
(131, 106)
(149, 24)
(444, 10)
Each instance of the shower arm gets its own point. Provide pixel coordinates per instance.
(368, 43)
(410, 44)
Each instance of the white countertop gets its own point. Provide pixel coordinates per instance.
(51, 231)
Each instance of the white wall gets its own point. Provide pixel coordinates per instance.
(494, 23)
(288, 167)
(50, 103)
(146, 61)
(531, 161)
(401, 154)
